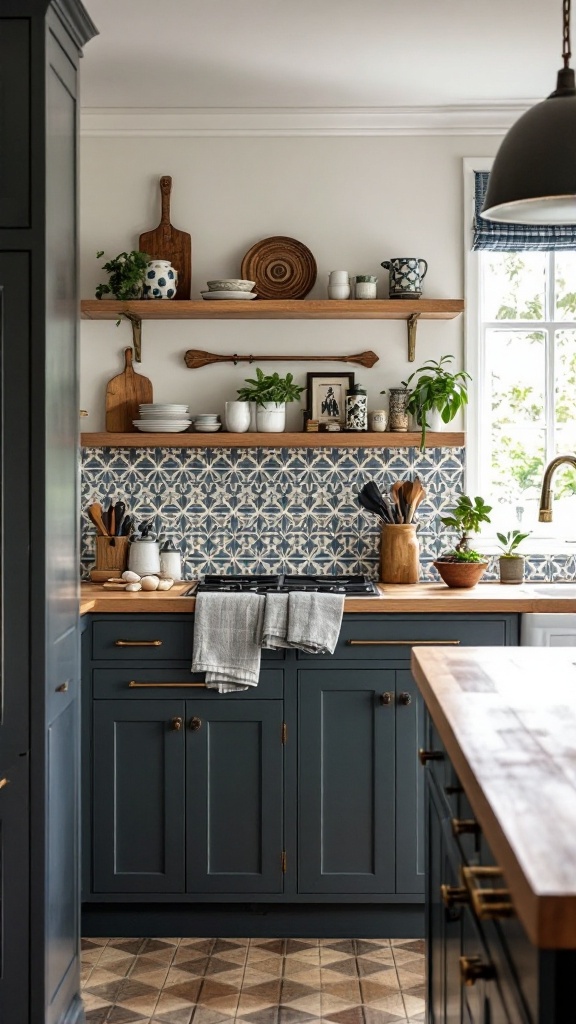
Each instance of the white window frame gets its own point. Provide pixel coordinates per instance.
(545, 538)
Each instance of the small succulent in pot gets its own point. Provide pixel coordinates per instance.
(463, 566)
(436, 391)
(126, 275)
(511, 563)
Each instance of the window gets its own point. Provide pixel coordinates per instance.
(521, 353)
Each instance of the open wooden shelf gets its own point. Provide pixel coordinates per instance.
(410, 310)
(323, 439)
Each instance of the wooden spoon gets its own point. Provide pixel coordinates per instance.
(95, 513)
(395, 492)
(416, 497)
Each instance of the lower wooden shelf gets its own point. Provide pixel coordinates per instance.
(281, 440)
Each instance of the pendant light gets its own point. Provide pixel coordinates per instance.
(533, 179)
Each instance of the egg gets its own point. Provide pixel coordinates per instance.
(133, 587)
(150, 582)
(130, 577)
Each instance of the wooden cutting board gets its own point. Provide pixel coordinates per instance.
(168, 243)
(124, 393)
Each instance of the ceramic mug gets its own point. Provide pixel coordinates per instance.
(237, 416)
(405, 276)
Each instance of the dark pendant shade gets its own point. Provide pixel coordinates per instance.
(533, 179)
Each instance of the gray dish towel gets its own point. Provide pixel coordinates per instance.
(227, 640)
(307, 621)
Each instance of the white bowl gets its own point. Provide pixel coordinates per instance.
(206, 427)
(231, 284)
(223, 294)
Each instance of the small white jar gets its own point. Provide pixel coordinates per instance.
(378, 420)
(365, 286)
(339, 291)
(237, 416)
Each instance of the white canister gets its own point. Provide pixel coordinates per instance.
(170, 561)
(378, 420)
(160, 280)
(237, 416)
(144, 556)
(338, 284)
(365, 286)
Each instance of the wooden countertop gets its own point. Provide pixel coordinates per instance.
(420, 597)
(507, 717)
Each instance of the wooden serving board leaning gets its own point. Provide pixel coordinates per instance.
(168, 243)
(124, 393)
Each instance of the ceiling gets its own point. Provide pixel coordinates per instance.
(320, 53)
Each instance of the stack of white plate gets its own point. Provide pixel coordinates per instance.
(206, 422)
(163, 418)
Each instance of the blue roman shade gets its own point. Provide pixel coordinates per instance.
(500, 237)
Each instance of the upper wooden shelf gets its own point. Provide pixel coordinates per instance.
(323, 439)
(410, 310)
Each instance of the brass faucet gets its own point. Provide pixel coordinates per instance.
(545, 513)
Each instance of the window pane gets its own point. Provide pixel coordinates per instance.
(565, 286)
(514, 286)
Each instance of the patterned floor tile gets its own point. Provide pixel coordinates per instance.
(258, 981)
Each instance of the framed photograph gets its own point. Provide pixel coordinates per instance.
(326, 392)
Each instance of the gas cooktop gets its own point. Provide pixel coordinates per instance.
(350, 586)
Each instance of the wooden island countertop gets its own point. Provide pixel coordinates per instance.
(507, 718)
(419, 597)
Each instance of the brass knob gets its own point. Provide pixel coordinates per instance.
(472, 969)
(63, 688)
(404, 699)
(453, 790)
(176, 723)
(465, 827)
(385, 698)
(453, 894)
(195, 723)
(430, 755)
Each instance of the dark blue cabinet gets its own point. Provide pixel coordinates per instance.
(410, 858)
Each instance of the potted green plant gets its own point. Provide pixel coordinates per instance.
(270, 393)
(437, 395)
(511, 564)
(126, 275)
(463, 566)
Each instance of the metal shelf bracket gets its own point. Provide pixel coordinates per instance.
(412, 326)
(136, 322)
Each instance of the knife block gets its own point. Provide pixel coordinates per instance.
(399, 554)
(111, 556)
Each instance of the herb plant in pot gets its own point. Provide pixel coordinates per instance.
(511, 564)
(126, 275)
(436, 395)
(462, 566)
(270, 392)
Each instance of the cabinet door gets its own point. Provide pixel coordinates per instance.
(138, 796)
(410, 839)
(346, 827)
(234, 799)
(14, 903)
(443, 927)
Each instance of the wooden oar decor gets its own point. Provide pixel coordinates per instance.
(195, 358)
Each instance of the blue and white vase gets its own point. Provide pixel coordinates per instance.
(160, 280)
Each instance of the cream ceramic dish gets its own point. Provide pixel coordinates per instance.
(231, 284)
(206, 427)
(214, 296)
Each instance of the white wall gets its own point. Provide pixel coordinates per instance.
(353, 201)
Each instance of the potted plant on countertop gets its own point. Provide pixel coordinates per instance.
(462, 566)
(270, 393)
(511, 564)
(126, 278)
(437, 394)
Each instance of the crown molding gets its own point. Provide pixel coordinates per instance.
(163, 122)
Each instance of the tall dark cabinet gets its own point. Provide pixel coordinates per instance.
(40, 46)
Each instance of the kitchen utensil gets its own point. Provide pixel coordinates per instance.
(405, 276)
(195, 358)
(395, 492)
(95, 513)
(168, 243)
(366, 503)
(373, 493)
(126, 526)
(124, 393)
(416, 496)
(281, 267)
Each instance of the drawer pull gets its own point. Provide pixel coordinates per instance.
(402, 643)
(473, 969)
(465, 827)
(176, 723)
(430, 755)
(138, 643)
(63, 688)
(404, 699)
(133, 685)
(385, 698)
(488, 904)
(4, 782)
(453, 895)
(195, 723)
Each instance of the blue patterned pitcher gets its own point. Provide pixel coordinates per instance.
(405, 276)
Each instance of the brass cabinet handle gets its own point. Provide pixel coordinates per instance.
(401, 643)
(405, 699)
(430, 755)
(195, 723)
(454, 894)
(133, 685)
(4, 782)
(465, 826)
(488, 904)
(386, 698)
(473, 969)
(63, 688)
(138, 643)
(176, 723)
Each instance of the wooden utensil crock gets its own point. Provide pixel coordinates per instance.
(112, 555)
(399, 554)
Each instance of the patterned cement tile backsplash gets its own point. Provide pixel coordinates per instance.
(276, 509)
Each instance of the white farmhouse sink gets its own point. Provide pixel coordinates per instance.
(551, 589)
(549, 629)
